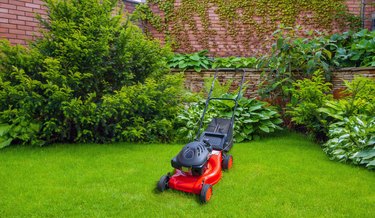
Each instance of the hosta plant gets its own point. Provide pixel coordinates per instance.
(234, 62)
(353, 140)
(253, 118)
(196, 61)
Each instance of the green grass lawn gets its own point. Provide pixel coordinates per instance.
(282, 176)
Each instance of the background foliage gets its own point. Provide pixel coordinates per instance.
(354, 49)
(347, 123)
(93, 77)
(253, 118)
(353, 140)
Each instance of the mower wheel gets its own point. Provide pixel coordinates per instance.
(206, 193)
(163, 183)
(227, 162)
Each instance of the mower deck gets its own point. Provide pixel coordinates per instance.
(186, 182)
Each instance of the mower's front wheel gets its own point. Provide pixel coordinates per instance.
(227, 162)
(163, 183)
(206, 193)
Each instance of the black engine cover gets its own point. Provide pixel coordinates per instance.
(193, 155)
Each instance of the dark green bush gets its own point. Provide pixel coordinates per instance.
(307, 96)
(360, 99)
(92, 77)
(348, 123)
(292, 58)
(353, 49)
(253, 118)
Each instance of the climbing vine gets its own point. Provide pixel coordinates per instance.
(243, 21)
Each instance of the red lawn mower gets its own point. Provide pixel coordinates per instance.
(198, 166)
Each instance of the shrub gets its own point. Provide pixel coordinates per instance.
(360, 99)
(349, 123)
(353, 140)
(292, 58)
(219, 88)
(253, 118)
(353, 49)
(307, 96)
(93, 77)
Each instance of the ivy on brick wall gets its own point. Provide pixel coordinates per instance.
(251, 18)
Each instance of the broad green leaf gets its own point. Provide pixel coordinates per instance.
(4, 128)
(5, 142)
(264, 128)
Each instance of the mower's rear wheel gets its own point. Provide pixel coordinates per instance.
(227, 162)
(206, 193)
(163, 183)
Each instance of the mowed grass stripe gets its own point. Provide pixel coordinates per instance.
(281, 176)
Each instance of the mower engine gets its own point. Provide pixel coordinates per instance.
(193, 157)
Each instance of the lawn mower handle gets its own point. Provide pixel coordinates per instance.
(229, 99)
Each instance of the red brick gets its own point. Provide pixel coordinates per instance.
(33, 24)
(8, 36)
(24, 37)
(16, 12)
(30, 33)
(39, 2)
(29, 14)
(16, 31)
(4, 10)
(25, 18)
(17, 41)
(4, 30)
(8, 16)
(18, 3)
(9, 26)
(24, 9)
(40, 11)
(3, 20)
(4, 1)
(26, 1)
(2, 5)
(30, 5)
(20, 22)
(22, 27)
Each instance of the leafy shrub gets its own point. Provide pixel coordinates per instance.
(292, 58)
(353, 49)
(196, 61)
(308, 95)
(219, 88)
(360, 99)
(253, 118)
(93, 77)
(353, 140)
(234, 62)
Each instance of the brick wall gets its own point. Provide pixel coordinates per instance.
(17, 20)
(18, 24)
(194, 81)
(354, 7)
(246, 43)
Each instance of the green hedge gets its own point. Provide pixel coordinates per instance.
(92, 77)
